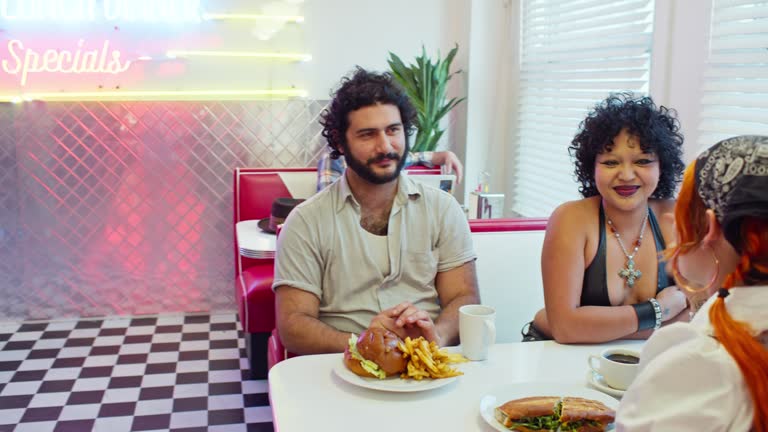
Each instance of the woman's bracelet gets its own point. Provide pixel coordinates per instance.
(646, 317)
(648, 314)
(657, 311)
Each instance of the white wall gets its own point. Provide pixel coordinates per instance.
(509, 277)
(489, 85)
(343, 33)
(680, 49)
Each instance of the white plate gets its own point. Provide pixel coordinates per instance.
(391, 384)
(597, 381)
(490, 401)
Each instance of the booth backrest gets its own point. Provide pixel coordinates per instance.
(256, 188)
(509, 270)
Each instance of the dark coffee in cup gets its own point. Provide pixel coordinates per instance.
(618, 366)
(623, 358)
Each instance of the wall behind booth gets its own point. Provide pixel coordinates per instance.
(124, 207)
(509, 277)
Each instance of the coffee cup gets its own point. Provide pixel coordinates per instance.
(618, 366)
(477, 330)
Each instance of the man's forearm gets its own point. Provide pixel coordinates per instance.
(447, 323)
(304, 334)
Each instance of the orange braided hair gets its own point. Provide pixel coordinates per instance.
(735, 336)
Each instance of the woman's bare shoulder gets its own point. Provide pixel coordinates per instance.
(582, 207)
(574, 214)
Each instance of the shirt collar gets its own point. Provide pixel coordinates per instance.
(747, 304)
(406, 189)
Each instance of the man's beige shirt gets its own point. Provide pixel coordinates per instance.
(322, 250)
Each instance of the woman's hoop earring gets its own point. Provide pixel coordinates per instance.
(687, 285)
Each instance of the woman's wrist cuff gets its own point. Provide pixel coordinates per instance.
(646, 315)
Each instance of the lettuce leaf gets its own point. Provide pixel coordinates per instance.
(369, 366)
(539, 423)
(574, 425)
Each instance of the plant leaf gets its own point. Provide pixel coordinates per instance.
(425, 83)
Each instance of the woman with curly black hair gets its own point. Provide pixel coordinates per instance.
(600, 266)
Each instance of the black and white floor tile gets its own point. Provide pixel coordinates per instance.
(158, 373)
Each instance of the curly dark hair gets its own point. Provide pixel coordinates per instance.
(657, 128)
(361, 90)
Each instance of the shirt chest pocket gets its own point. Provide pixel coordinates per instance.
(420, 268)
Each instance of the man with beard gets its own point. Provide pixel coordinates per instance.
(375, 248)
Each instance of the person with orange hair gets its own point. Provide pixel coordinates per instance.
(712, 374)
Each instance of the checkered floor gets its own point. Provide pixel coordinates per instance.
(178, 373)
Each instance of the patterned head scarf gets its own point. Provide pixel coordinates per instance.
(732, 180)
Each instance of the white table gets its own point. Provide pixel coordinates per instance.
(306, 395)
(253, 242)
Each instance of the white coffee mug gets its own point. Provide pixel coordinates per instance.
(618, 366)
(477, 330)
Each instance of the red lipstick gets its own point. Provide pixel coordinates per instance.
(626, 191)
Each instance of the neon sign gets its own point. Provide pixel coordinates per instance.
(24, 61)
(109, 10)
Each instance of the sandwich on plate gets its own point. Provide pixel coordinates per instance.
(375, 354)
(554, 414)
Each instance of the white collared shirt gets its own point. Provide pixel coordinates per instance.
(688, 381)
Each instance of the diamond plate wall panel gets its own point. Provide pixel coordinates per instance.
(126, 208)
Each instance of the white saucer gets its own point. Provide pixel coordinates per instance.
(598, 382)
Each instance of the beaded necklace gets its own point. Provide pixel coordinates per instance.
(629, 273)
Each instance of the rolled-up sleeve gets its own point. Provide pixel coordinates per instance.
(298, 262)
(455, 240)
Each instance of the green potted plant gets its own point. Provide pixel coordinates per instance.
(425, 83)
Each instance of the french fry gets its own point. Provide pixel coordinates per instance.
(427, 360)
(402, 347)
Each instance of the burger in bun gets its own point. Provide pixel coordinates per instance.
(375, 354)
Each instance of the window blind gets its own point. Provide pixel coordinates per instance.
(735, 93)
(573, 54)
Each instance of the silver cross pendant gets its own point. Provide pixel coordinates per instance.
(630, 274)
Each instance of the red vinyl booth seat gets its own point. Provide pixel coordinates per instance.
(254, 191)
